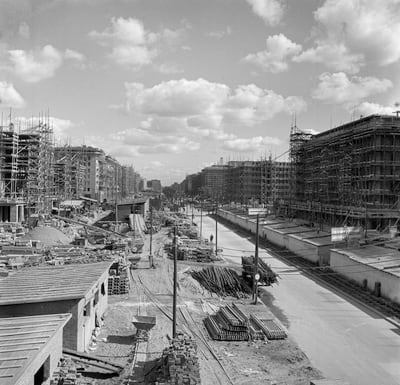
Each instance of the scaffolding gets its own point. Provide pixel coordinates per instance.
(349, 174)
(26, 165)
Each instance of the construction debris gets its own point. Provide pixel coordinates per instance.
(267, 276)
(222, 281)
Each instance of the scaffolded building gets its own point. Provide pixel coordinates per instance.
(26, 173)
(349, 174)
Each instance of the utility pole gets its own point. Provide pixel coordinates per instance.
(216, 228)
(201, 218)
(151, 238)
(175, 283)
(192, 214)
(256, 276)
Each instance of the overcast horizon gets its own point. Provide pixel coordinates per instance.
(173, 86)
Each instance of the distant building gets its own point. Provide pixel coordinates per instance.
(155, 185)
(213, 181)
(86, 171)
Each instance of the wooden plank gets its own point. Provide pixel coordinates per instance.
(89, 357)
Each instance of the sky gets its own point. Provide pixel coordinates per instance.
(172, 86)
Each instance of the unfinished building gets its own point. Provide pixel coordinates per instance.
(26, 173)
(348, 175)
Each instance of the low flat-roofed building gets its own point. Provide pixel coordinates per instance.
(81, 290)
(30, 348)
(374, 267)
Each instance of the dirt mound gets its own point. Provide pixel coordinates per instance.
(47, 236)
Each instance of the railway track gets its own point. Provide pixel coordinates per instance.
(189, 326)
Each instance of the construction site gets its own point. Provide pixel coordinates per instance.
(349, 174)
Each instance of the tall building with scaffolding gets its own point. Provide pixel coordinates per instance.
(26, 169)
(349, 174)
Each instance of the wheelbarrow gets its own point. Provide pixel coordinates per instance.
(144, 322)
(143, 325)
(134, 260)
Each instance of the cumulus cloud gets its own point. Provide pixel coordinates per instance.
(219, 34)
(250, 144)
(362, 30)
(9, 96)
(275, 57)
(74, 55)
(271, 11)
(339, 88)
(367, 108)
(334, 55)
(34, 66)
(209, 105)
(146, 142)
(131, 44)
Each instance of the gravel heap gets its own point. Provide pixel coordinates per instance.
(48, 236)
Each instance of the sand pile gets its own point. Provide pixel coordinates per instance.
(47, 236)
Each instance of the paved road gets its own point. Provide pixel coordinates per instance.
(341, 339)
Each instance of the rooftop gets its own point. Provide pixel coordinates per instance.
(51, 283)
(21, 338)
(381, 258)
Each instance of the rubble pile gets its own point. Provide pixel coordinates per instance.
(180, 363)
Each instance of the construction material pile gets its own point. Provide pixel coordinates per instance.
(267, 276)
(118, 281)
(68, 254)
(222, 281)
(47, 235)
(230, 323)
(67, 374)
(269, 327)
(180, 363)
(227, 325)
(190, 249)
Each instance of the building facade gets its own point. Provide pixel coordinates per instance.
(349, 174)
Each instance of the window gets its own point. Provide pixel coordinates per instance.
(96, 298)
(86, 310)
(103, 289)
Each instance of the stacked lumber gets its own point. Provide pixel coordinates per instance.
(180, 362)
(267, 276)
(222, 281)
(269, 327)
(227, 325)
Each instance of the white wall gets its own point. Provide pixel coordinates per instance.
(357, 271)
